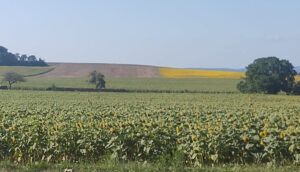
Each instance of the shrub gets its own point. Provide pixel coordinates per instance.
(296, 89)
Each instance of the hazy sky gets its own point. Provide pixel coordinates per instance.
(179, 33)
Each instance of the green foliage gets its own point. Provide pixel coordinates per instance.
(109, 166)
(170, 84)
(97, 79)
(244, 87)
(12, 78)
(268, 75)
(3, 49)
(203, 129)
(10, 59)
(53, 87)
(296, 89)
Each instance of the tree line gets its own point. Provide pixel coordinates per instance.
(9, 59)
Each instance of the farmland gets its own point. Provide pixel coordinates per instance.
(192, 73)
(26, 71)
(200, 73)
(192, 84)
(148, 131)
(199, 128)
(151, 78)
(149, 86)
(171, 79)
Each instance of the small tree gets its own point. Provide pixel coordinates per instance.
(269, 75)
(97, 79)
(12, 78)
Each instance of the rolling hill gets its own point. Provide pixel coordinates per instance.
(26, 71)
(82, 70)
(134, 77)
(77, 70)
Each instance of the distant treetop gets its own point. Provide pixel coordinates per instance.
(10, 59)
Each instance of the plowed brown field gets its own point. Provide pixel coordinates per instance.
(109, 70)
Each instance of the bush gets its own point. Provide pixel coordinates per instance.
(296, 89)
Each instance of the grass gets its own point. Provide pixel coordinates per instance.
(172, 84)
(26, 71)
(192, 84)
(198, 84)
(109, 166)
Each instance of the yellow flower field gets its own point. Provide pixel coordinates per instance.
(298, 78)
(191, 73)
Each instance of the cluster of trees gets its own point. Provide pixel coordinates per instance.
(270, 75)
(10, 59)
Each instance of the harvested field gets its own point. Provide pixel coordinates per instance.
(76, 70)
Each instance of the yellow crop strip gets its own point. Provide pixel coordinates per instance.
(195, 73)
(191, 73)
(298, 78)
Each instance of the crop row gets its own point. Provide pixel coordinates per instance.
(202, 128)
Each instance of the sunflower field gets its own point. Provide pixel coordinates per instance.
(202, 128)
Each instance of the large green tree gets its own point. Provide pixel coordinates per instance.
(269, 75)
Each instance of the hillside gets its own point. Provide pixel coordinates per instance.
(26, 71)
(82, 70)
(134, 77)
(78, 70)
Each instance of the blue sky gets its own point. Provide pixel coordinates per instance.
(178, 33)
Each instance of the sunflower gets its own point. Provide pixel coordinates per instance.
(263, 133)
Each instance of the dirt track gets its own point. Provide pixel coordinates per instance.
(109, 70)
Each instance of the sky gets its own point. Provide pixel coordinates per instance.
(175, 33)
